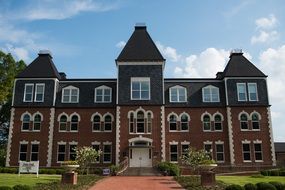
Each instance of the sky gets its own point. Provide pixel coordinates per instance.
(196, 37)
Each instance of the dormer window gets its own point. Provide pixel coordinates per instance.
(103, 94)
(211, 94)
(252, 92)
(70, 95)
(28, 94)
(177, 94)
(140, 88)
(39, 96)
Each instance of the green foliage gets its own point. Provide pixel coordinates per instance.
(278, 185)
(85, 156)
(234, 187)
(114, 169)
(9, 170)
(250, 186)
(169, 168)
(265, 186)
(257, 176)
(98, 171)
(2, 155)
(5, 188)
(274, 172)
(194, 183)
(69, 162)
(22, 187)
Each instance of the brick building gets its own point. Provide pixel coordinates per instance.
(140, 114)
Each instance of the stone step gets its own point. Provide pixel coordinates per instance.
(141, 171)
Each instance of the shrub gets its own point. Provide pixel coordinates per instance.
(5, 188)
(278, 185)
(249, 186)
(170, 168)
(59, 171)
(264, 172)
(257, 176)
(22, 187)
(50, 171)
(98, 171)
(274, 172)
(9, 170)
(265, 186)
(282, 173)
(234, 187)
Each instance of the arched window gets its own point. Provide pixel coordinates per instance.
(107, 123)
(255, 121)
(37, 122)
(206, 123)
(149, 122)
(140, 122)
(173, 123)
(26, 122)
(96, 123)
(63, 123)
(218, 122)
(243, 122)
(74, 123)
(131, 123)
(184, 122)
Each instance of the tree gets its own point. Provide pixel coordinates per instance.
(85, 156)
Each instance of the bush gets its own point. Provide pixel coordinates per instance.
(59, 171)
(265, 186)
(249, 186)
(22, 187)
(169, 168)
(5, 188)
(282, 173)
(257, 176)
(234, 187)
(9, 170)
(278, 185)
(264, 172)
(50, 171)
(98, 171)
(274, 172)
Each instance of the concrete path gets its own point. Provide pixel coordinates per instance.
(137, 183)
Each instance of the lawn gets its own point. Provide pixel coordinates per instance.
(27, 179)
(241, 180)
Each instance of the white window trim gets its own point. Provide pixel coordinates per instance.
(112, 119)
(252, 83)
(98, 144)
(176, 144)
(103, 94)
(211, 93)
(180, 119)
(100, 122)
(177, 119)
(28, 84)
(176, 88)
(220, 143)
(60, 143)
(22, 143)
(107, 143)
(222, 120)
(67, 120)
(34, 152)
(246, 142)
(70, 88)
(254, 143)
(70, 144)
(40, 84)
(140, 79)
(211, 119)
(22, 119)
(244, 92)
(37, 113)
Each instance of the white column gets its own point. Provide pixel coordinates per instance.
(162, 115)
(50, 136)
(118, 135)
(230, 132)
(271, 137)
(10, 137)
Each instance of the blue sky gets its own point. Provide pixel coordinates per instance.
(195, 37)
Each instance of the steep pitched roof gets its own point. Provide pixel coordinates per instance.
(41, 67)
(140, 47)
(239, 66)
(279, 146)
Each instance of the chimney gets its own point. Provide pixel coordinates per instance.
(140, 26)
(236, 52)
(219, 75)
(62, 75)
(45, 52)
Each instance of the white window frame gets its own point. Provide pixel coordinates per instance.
(72, 122)
(245, 92)
(104, 123)
(103, 154)
(254, 143)
(40, 122)
(23, 143)
(69, 152)
(211, 150)
(140, 79)
(36, 92)
(220, 143)
(176, 88)
(246, 142)
(22, 119)
(61, 143)
(70, 92)
(183, 152)
(210, 122)
(211, 93)
(214, 117)
(25, 92)
(103, 88)
(100, 122)
(170, 153)
(96, 143)
(35, 143)
(255, 85)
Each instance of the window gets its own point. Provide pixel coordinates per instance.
(23, 152)
(241, 88)
(74, 123)
(63, 123)
(131, 120)
(97, 148)
(173, 123)
(140, 88)
(37, 122)
(173, 153)
(206, 123)
(258, 152)
(107, 153)
(28, 94)
(246, 152)
(218, 122)
(208, 149)
(184, 149)
(140, 122)
(39, 96)
(243, 122)
(26, 122)
(220, 152)
(61, 152)
(72, 151)
(177, 94)
(108, 123)
(103, 94)
(252, 91)
(149, 122)
(211, 94)
(96, 123)
(70, 95)
(184, 122)
(34, 152)
(255, 121)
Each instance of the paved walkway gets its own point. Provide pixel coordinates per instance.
(137, 183)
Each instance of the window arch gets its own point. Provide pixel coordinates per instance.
(140, 122)
(103, 94)
(37, 122)
(96, 123)
(177, 94)
(74, 123)
(173, 122)
(184, 122)
(108, 123)
(243, 121)
(211, 94)
(63, 122)
(255, 121)
(26, 119)
(218, 122)
(207, 122)
(70, 94)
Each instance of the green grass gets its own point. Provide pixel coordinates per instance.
(241, 180)
(27, 179)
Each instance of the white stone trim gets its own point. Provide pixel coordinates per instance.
(10, 137)
(73, 143)
(73, 114)
(108, 113)
(94, 114)
(245, 141)
(13, 96)
(179, 118)
(185, 142)
(173, 142)
(38, 113)
(118, 113)
(208, 142)
(243, 112)
(107, 143)
(162, 118)
(219, 142)
(218, 113)
(61, 142)
(255, 112)
(230, 134)
(206, 113)
(173, 113)
(95, 143)
(24, 142)
(35, 142)
(140, 138)
(271, 137)
(61, 114)
(257, 141)
(50, 136)
(26, 112)
(151, 114)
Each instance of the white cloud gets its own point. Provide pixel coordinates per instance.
(121, 44)
(264, 37)
(168, 52)
(266, 23)
(21, 53)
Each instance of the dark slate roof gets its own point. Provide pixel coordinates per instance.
(140, 47)
(41, 67)
(279, 146)
(239, 66)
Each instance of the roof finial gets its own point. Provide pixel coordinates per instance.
(140, 25)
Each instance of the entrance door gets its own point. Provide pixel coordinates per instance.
(140, 157)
